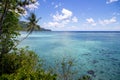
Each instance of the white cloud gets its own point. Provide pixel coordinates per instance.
(24, 12)
(33, 6)
(116, 14)
(65, 15)
(74, 19)
(108, 21)
(54, 24)
(58, 5)
(91, 21)
(111, 1)
(57, 24)
(60, 20)
(101, 22)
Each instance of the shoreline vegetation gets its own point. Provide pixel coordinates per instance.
(23, 25)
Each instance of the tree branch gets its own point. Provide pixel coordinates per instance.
(3, 16)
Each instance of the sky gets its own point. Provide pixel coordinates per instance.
(78, 15)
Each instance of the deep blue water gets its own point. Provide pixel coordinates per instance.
(96, 51)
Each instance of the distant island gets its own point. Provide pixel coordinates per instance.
(23, 25)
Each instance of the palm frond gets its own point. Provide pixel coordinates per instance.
(37, 27)
(38, 19)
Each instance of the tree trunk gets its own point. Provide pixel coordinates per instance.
(3, 16)
(1, 24)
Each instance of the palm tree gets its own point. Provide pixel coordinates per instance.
(32, 24)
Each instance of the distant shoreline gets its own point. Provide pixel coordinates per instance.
(90, 31)
(77, 31)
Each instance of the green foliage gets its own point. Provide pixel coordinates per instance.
(24, 26)
(10, 11)
(9, 32)
(23, 64)
(32, 24)
(18, 64)
(65, 69)
(86, 77)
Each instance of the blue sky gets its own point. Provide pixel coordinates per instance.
(79, 15)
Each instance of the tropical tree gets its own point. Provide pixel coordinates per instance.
(10, 11)
(10, 32)
(32, 24)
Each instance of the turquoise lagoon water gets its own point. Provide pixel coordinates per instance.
(98, 52)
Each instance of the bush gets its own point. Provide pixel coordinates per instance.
(85, 77)
(23, 64)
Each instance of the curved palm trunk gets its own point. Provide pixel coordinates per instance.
(22, 39)
(31, 26)
(27, 34)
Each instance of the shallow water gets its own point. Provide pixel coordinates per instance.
(96, 51)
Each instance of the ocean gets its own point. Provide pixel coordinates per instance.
(94, 53)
